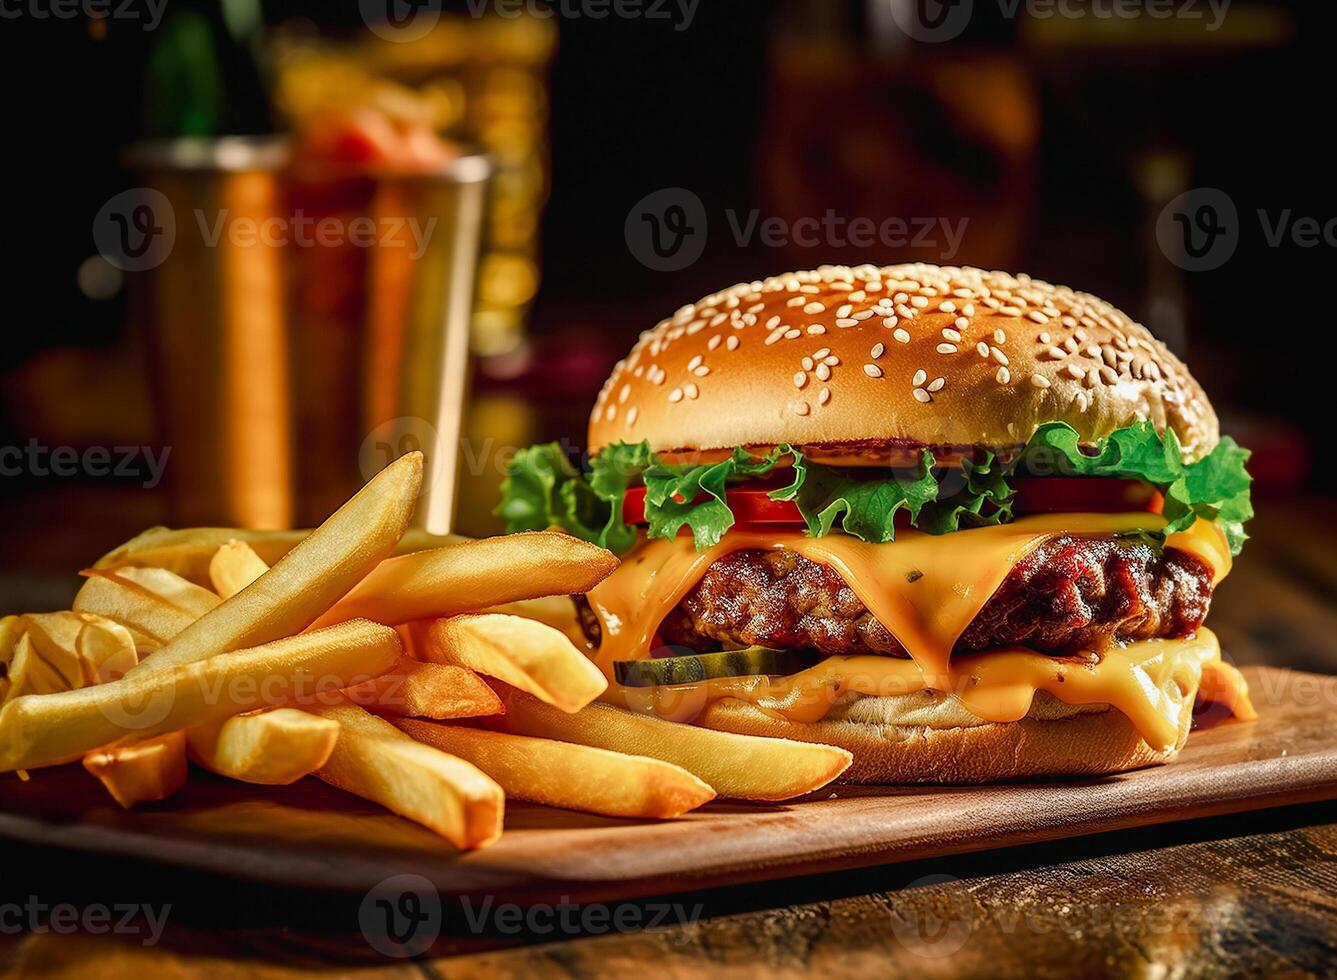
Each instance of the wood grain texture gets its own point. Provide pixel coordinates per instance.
(312, 836)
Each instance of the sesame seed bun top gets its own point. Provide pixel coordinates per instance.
(871, 364)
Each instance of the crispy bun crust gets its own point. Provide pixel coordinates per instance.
(1045, 743)
(831, 360)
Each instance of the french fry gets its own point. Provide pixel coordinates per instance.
(234, 566)
(308, 579)
(11, 629)
(563, 774)
(744, 767)
(140, 772)
(194, 600)
(558, 611)
(84, 648)
(151, 619)
(43, 729)
(273, 748)
(188, 551)
(378, 762)
(466, 577)
(526, 654)
(412, 689)
(30, 674)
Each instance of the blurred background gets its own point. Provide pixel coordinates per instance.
(541, 181)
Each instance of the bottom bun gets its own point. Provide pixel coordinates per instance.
(1053, 740)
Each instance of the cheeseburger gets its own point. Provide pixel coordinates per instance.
(965, 524)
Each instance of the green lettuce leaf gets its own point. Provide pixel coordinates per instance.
(672, 492)
(865, 508)
(543, 489)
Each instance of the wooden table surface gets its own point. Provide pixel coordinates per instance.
(1252, 893)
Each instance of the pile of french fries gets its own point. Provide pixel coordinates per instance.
(434, 676)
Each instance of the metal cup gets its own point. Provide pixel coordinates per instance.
(308, 325)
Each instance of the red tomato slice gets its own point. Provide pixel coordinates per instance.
(1035, 495)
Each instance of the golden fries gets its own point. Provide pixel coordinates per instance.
(273, 748)
(575, 777)
(412, 689)
(83, 648)
(38, 730)
(558, 611)
(526, 654)
(141, 771)
(375, 760)
(11, 629)
(188, 551)
(470, 576)
(153, 620)
(234, 566)
(309, 578)
(744, 767)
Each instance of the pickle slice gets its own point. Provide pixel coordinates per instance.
(694, 668)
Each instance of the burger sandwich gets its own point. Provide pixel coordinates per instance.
(965, 524)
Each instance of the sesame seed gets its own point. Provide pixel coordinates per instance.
(801, 408)
(1038, 317)
(695, 362)
(821, 353)
(714, 342)
(947, 306)
(832, 360)
(847, 322)
(951, 334)
(872, 370)
(1070, 345)
(1108, 375)
(631, 415)
(968, 310)
(906, 311)
(946, 348)
(1039, 380)
(702, 371)
(814, 307)
(1044, 337)
(796, 301)
(922, 396)
(815, 329)
(823, 372)
(824, 396)
(793, 334)
(937, 384)
(1010, 310)
(1056, 353)
(982, 349)
(902, 335)
(919, 302)
(732, 343)
(858, 296)
(998, 355)
(675, 395)
(800, 379)
(863, 315)
(1003, 376)
(807, 363)
(878, 350)
(919, 378)
(611, 413)
(999, 337)
(962, 293)
(773, 322)
(844, 311)
(961, 323)
(691, 390)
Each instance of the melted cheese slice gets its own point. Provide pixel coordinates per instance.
(925, 589)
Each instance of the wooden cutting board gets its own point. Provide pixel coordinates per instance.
(310, 835)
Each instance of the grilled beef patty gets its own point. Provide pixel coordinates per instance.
(1069, 594)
